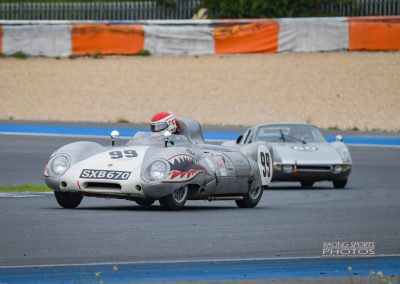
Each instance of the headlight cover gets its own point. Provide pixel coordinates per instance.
(157, 170)
(59, 165)
(344, 153)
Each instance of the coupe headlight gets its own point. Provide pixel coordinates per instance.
(337, 168)
(59, 165)
(344, 153)
(287, 168)
(157, 170)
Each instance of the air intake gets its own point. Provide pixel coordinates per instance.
(102, 185)
(314, 168)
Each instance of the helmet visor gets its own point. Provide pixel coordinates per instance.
(157, 127)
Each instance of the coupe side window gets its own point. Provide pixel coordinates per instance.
(244, 137)
(250, 137)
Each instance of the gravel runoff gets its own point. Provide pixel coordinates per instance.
(342, 90)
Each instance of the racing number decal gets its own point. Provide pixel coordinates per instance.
(265, 164)
(126, 153)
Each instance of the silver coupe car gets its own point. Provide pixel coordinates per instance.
(301, 153)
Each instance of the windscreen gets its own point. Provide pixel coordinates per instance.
(145, 138)
(290, 133)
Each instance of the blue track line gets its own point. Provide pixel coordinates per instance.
(129, 132)
(206, 271)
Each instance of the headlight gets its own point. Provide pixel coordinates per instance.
(287, 168)
(337, 168)
(59, 165)
(344, 153)
(157, 170)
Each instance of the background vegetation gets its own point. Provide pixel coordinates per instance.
(228, 9)
(268, 8)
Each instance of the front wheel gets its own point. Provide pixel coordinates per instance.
(307, 184)
(176, 200)
(146, 202)
(68, 200)
(341, 183)
(251, 198)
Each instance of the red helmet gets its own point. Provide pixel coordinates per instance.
(164, 120)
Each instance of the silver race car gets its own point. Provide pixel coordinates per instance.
(301, 153)
(171, 168)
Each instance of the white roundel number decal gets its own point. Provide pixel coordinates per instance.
(264, 160)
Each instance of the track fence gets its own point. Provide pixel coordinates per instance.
(138, 10)
(151, 9)
(362, 8)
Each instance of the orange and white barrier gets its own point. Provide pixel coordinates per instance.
(178, 40)
(313, 35)
(199, 37)
(258, 37)
(89, 39)
(374, 33)
(37, 40)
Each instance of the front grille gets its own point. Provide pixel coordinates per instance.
(102, 185)
(326, 168)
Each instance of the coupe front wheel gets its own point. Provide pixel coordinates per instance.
(176, 200)
(339, 183)
(251, 198)
(68, 200)
(307, 184)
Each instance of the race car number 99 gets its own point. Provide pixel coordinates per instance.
(103, 174)
(265, 164)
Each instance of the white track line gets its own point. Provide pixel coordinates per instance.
(59, 135)
(128, 137)
(192, 261)
(23, 194)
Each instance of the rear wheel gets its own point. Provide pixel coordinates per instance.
(68, 200)
(251, 198)
(176, 200)
(307, 184)
(341, 183)
(146, 202)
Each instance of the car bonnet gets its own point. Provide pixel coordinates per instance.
(310, 153)
(125, 158)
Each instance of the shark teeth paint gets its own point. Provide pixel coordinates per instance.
(183, 168)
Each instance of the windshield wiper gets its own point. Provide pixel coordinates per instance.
(298, 139)
(291, 137)
(283, 136)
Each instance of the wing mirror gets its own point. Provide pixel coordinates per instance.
(339, 138)
(239, 139)
(114, 136)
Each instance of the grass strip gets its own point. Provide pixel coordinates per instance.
(25, 188)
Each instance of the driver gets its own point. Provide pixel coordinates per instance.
(164, 121)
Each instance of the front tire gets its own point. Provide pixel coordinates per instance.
(251, 198)
(341, 183)
(176, 200)
(146, 202)
(68, 200)
(307, 184)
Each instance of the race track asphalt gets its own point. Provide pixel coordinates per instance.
(289, 221)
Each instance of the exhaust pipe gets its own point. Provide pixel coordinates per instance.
(233, 197)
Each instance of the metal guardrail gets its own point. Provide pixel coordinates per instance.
(138, 10)
(362, 8)
(149, 9)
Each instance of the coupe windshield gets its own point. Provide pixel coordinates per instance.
(290, 133)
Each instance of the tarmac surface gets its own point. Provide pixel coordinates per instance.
(289, 221)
